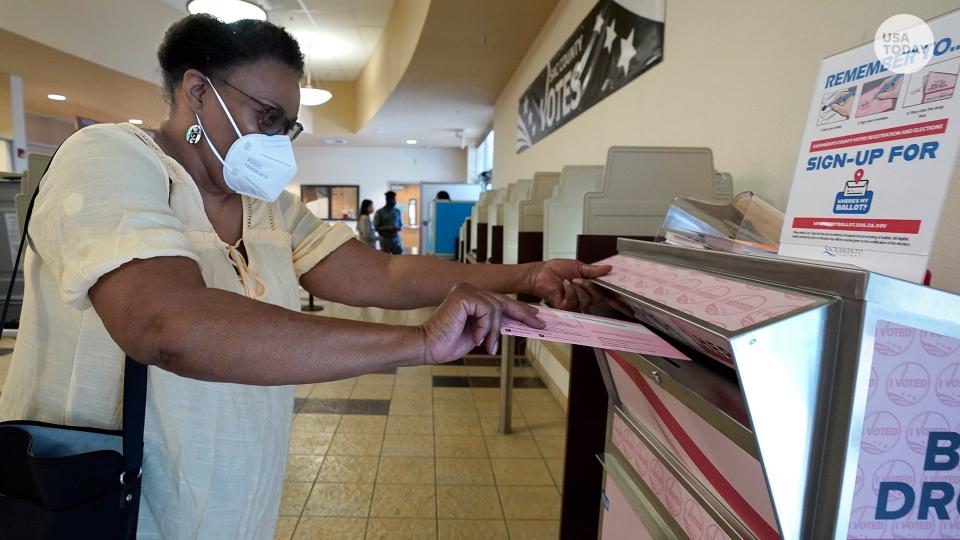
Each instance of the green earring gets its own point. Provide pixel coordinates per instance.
(194, 133)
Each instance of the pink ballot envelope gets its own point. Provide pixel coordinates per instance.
(590, 331)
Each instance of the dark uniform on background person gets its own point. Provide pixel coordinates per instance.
(388, 221)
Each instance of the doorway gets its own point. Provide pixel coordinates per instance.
(409, 203)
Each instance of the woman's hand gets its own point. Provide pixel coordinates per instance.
(565, 283)
(469, 317)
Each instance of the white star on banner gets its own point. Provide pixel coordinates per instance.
(627, 52)
(598, 26)
(611, 36)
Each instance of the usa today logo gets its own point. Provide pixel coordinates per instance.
(903, 44)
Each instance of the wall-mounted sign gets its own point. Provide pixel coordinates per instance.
(615, 43)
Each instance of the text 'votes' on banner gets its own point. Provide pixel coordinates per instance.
(614, 44)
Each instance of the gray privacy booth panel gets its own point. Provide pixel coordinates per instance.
(495, 214)
(477, 214)
(563, 212)
(516, 192)
(524, 212)
(639, 182)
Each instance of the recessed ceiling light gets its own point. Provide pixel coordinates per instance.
(335, 141)
(56, 97)
(135, 121)
(228, 10)
(411, 141)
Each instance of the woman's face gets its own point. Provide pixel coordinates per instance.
(262, 97)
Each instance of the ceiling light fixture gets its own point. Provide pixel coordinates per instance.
(411, 141)
(227, 10)
(311, 95)
(56, 97)
(135, 121)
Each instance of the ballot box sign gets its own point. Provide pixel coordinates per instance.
(614, 44)
(878, 152)
(908, 474)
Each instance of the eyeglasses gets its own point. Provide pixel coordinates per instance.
(273, 120)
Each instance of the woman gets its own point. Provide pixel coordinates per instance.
(364, 227)
(191, 258)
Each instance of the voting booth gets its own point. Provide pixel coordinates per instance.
(640, 182)
(16, 191)
(563, 211)
(509, 218)
(476, 245)
(523, 220)
(448, 219)
(494, 217)
(820, 401)
(638, 185)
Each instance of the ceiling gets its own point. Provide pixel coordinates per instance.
(467, 52)
(92, 91)
(345, 34)
(463, 57)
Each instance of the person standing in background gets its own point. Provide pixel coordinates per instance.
(364, 228)
(389, 222)
(442, 195)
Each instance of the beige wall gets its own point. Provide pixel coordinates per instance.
(737, 77)
(390, 58)
(376, 169)
(48, 130)
(337, 117)
(6, 107)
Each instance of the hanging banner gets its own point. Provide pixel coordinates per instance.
(879, 150)
(615, 43)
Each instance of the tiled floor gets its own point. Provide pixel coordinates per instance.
(415, 454)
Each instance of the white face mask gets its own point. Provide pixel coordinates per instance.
(257, 165)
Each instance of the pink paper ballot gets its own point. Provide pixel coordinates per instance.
(590, 331)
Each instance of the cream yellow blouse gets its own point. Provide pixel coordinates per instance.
(214, 452)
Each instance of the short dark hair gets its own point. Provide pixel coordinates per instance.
(443, 196)
(215, 48)
(390, 195)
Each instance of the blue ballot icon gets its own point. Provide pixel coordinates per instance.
(855, 197)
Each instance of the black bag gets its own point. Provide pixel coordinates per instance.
(72, 482)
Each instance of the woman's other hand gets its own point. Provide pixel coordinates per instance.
(470, 317)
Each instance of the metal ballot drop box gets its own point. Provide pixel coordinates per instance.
(816, 394)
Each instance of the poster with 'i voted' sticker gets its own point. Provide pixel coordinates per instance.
(908, 476)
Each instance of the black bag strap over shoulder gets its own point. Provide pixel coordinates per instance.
(134, 381)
